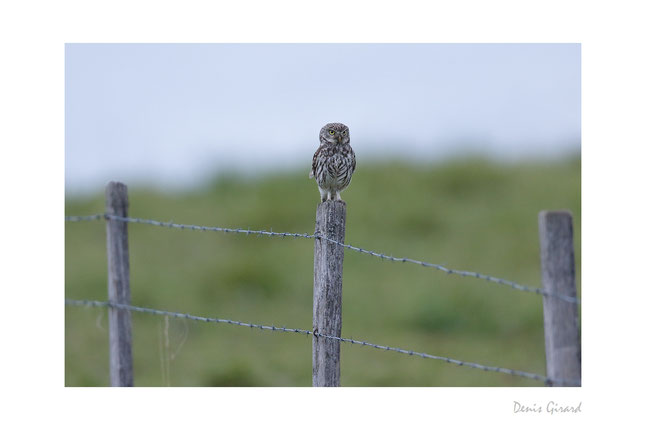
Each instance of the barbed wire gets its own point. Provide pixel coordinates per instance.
(315, 333)
(439, 267)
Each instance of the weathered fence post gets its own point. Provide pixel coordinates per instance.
(561, 318)
(116, 203)
(328, 278)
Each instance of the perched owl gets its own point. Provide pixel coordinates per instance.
(334, 161)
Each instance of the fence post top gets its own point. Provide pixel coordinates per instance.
(115, 184)
(555, 213)
(332, 203)
(116, 198)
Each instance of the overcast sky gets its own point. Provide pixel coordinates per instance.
(174, 115)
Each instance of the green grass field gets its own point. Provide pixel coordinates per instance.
(466, 214)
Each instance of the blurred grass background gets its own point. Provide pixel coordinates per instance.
(470, 214)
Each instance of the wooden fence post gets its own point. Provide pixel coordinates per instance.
(116, 203)
(561, 318)
(328, 279)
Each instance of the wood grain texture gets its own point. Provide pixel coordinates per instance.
(561, 318)
(116, 203)
(328, 281)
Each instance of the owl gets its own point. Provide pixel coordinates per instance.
(334, 162)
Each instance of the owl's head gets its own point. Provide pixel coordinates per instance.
(334, 132)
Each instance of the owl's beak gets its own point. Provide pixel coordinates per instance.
(339, 138)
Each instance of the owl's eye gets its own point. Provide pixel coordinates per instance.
(331, 132)
(344, 132)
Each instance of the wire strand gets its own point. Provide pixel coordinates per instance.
(520, 373)
(463, 273)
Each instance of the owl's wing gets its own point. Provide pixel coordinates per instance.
(316, 154)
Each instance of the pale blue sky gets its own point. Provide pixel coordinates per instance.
(174, 115)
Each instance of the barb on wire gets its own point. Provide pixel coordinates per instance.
(439, 267)
(85, 218)
(520, 373)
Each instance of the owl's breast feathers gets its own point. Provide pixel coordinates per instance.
(333, 166)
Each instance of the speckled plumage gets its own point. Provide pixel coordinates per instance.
(334, 162)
